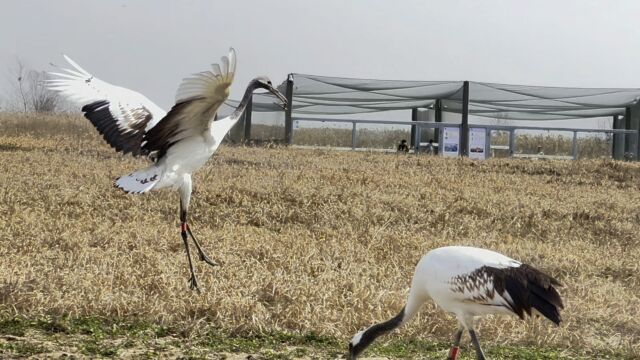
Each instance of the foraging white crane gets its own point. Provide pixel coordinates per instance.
(179, 142)
(470, 282)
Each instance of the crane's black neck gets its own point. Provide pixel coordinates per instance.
(372, 333)
(253, 85)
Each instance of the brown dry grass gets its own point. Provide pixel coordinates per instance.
(310, 240)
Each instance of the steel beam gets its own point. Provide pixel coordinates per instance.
(437, 107)
(414, 117)
(353, 136)
(288, 120)
(464, 129)
(512, 142)
(618, 139)
(247, 120)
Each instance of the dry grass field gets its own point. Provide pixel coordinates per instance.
(314, 246)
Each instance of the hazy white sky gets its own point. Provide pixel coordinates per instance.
(150, 45)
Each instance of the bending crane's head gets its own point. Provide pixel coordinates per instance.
(264, 83)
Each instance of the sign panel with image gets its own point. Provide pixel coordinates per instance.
(477, 142)
(450, 141)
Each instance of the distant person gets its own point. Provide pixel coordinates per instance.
(430, 148)
(628, 156)
(403, 147)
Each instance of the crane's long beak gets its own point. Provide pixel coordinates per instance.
(278, 94)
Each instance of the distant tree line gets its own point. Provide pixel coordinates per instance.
(28, 91)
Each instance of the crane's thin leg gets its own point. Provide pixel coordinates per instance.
(193, 282)
(453, 353)
(203, 256)
(185, 197)
(476, 343)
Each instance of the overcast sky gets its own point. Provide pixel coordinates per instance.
(150, 45)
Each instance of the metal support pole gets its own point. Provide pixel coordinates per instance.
(438, 118)
(617, 152)
(636, 137)
(288, 120)
(574, 145)
(487, 143)
(353, 136)
(464, 129)
(627, 126)
(440, 145)
(636, 149)
(512, 142)
(634, 144)
(247, 120)
(414, 117)
(416, 139)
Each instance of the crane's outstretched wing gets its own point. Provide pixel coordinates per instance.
(121, 115)
(197, 101)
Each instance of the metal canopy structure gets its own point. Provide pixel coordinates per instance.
(324, 95)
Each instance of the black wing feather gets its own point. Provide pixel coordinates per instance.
(528, 288)
(127, 140)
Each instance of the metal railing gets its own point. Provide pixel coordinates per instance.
(419, 125)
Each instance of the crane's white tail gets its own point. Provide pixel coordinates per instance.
(140, 181)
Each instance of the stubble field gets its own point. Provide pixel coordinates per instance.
(314, 245)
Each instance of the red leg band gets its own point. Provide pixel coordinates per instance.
(453, 353)
(183, 227)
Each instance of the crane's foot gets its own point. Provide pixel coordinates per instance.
(193, 283)
(203, 256)
(206, 259)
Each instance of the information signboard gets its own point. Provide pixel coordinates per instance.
(450, 141)
(477, 142)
